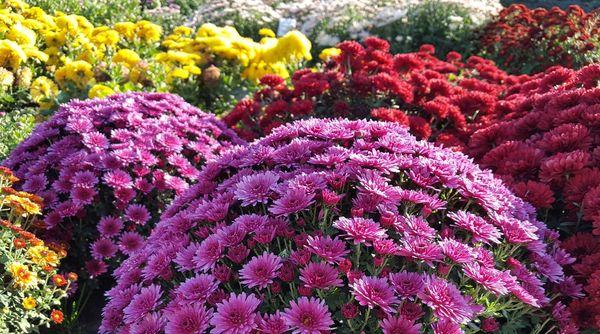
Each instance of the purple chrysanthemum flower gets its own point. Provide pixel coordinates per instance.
(446, 301)
(393, 325)
(197, 289)
(130, 242)
(293, 200)
(320, 276)
(360, 230)
(374, 292)
(407, 284)
(308, 316)
(237, 314)
(477, 226)
(256, 188)
(187, 319)
(273, 324)
(260, 271)
(143, 303)
(110, 226)
(328, 249)
(103, 248)
(137, 213)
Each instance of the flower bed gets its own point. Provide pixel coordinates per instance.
(344, 226)
(440, 100)
(525, 40)
(32, 288)
(51, 59)
(107, 168)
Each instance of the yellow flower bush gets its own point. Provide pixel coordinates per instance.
(31, 289)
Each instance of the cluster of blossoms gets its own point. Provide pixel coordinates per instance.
(107, 168)
(530, 40)
(343, 226)
(31, 286)
(440, 100)
(47, 59)
(545, 147)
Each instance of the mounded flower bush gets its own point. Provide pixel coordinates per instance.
(440, 100)
(341, 226)
(107, 168)
(546, 147)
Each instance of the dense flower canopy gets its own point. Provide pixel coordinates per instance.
(441, 100)
(107, 168)
(337, 225)
(545, 146)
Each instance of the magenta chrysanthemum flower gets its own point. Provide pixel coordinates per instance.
(457, 251)
(110, 226)
(293, 200)
(446, 301)
(320, 276)
(187, 319)
(374, 292)
(393, 325)
(360, 230)
(130, 242)
(197, 289)
(208, 253)
(489, 278)
(256, 188)
(273, 324)
(308, 316)
(137, 213)
(328, 249)
(143, 303)
(445, 326)
(118, 179)
(260, 271)
(407, 284)
(236, 314)
(480, 229)
(103, 248)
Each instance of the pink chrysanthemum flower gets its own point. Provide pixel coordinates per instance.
(394, 325)
(293, 200)
(374, 292)
(407, 284)
(110, 226)
(477, 226)
(130, 242)
(320, 276)
(187, 319)
(143, 303)
(256, 188)
(328, 249)
(308, 316)
(446, 301)
(237, 314)
(261, 270)
(273, 324)
(197, 289)
(103, 248)
(360, 230)
(137, 213)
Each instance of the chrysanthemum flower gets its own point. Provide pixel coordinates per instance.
(237, 314)
(308, 316)
(260, 271)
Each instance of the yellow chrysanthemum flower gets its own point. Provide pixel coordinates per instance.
(55, 38)
(105, 36)
(6, 78)
(78, 72)
(127, 57)
(11, 54)
(148, 31)
(29, 303)
(21, 35)
(43, 91)
(43, 256)
(126, 29)
(100, 91)
(329, 53)
(22, 276)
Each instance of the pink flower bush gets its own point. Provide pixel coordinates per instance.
(107, 168)
(341, 226)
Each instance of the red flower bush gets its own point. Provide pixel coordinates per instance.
(340, 226)
(107, 168)
(546, 146)
(524, 40)
(441, 100)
